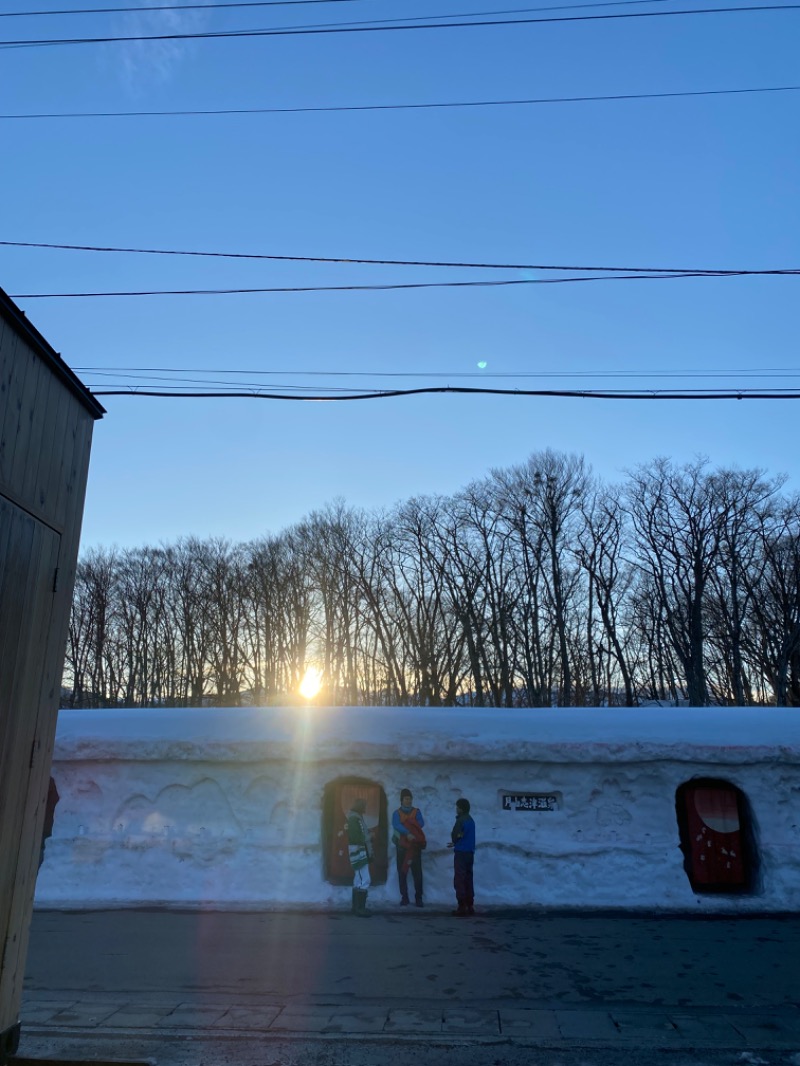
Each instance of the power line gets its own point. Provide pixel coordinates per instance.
(400, 107)
(460, 390)
(308, 31)
(472, 15)
(151, 380)
(285, 3)
(466, 15)
(348, 260)
(172, 7)
(224, 388)
(505, 282)
(177, 382)
(359, 22)
(177, 386)
(692, 373)
(371, 23)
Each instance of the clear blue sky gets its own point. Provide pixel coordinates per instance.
(696, 182)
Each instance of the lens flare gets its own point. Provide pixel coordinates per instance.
(311, 683)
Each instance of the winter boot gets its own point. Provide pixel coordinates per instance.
(354, 909)
(361, 904)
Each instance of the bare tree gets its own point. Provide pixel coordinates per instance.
(542, 504)
(222, 586)
(774, 640)
(678, 533)
(90, 630)
(600, 548)
(531, 586)
(745, 501)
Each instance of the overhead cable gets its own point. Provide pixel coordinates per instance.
(459, 390)
(179, 385)
(504, 282)
(530, 101)
(170, 7)
(288, 3)
(349, 260)
(109, 371)
(314, 31)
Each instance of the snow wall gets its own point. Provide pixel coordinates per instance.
(223, 808)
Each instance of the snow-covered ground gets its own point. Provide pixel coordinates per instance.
(224, 807)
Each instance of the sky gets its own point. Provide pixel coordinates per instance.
(705, 182)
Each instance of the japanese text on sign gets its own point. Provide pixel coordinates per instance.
(530, 801)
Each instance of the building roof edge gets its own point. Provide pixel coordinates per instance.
(20, 323)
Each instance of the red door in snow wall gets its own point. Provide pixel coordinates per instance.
(715, 836)
(339, 797)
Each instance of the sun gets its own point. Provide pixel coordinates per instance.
(311, 683)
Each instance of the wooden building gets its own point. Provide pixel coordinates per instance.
(46, 422)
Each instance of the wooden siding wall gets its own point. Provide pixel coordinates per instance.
(45, 439)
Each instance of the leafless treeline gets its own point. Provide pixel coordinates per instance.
(535, 585)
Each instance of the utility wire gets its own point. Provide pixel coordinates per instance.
(175, 7)
(164, 384)
(284, 3)
(151, 380)
(178, 382)
(375, 288)
(455, 264)
(359, 22)
(399, 107)
(308, 31)
(460, 390)
(175, 384)
(222, 387)
(468, 15)
(107, 371)
(472, 15)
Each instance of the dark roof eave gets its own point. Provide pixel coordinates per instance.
(19, 322)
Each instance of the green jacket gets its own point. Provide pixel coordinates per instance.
(359, 840)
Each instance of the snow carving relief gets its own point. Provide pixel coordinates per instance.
(611, 806)
(613, 815)
(196, 821)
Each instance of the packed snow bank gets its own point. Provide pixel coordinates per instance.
(226, 807)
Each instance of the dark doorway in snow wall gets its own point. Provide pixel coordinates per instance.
(337, 801)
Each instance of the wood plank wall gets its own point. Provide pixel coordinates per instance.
(45, 440)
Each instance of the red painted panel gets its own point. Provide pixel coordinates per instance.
(344, 794)
(715, 835)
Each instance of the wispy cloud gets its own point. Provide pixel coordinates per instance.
(141, 65)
